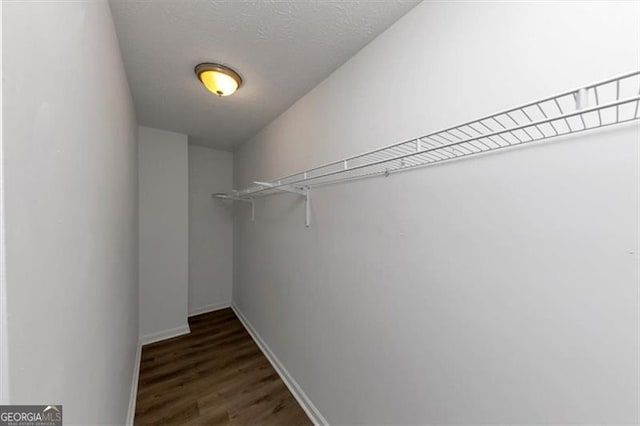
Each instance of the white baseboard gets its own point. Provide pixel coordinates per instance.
(134, 387)
(296, 390)
(165, 334)
(209, 308)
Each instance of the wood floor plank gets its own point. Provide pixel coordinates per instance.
(216, 375)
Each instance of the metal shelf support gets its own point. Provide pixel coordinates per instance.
(250, 200)
(299, 190)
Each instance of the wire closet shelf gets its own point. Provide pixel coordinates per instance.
(606, 103)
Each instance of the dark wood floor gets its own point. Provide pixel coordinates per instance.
(215, 375)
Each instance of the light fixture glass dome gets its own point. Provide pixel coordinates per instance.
(218, 79)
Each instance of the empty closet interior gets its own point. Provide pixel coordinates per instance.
(356, 212)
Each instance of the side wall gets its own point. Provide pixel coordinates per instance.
(210, 230)
(4, 349)
(501, 289)
(163, 224)
(69, 164)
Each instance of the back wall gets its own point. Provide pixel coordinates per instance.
(210, 230)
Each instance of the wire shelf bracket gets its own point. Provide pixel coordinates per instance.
(300, 190)
(232, 197)
(603, 104)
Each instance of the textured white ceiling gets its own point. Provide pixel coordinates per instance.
(281, 49)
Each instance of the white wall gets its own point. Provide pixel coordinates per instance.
(4, 350)
(163, 225)
(71, 213)
(497, 290)
(210, 229)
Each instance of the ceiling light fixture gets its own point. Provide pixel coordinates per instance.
(218, 79)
